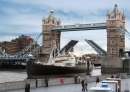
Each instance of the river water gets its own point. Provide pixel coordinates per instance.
(14, 75)
(20, 75)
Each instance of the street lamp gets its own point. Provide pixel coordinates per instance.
(88, 73)
(123, 59)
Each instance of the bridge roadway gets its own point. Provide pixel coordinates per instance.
(72, 87)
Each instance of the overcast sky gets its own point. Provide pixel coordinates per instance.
(24, 17)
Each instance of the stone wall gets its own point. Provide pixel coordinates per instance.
(111, 65)
(52, 82)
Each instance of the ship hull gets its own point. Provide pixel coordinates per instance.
(38, 69)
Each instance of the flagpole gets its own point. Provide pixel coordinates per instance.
(70, 21)
(84, 19)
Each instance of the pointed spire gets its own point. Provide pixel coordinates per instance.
(107, 11)
(43, 18)
(115, 10)
(59, 20)
(51, 16)
(123, 13)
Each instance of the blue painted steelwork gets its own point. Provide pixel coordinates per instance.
(25, 50)
(124, 31)
(33, 51)
(3, 54)
(80, 27)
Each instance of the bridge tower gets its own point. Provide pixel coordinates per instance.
(115, 38)
(50, 39)
(115, 42)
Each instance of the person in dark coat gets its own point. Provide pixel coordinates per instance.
(112, 76)
(36, 81)
(97, 80)
(82, 83)
(46, 81)
(27, 87)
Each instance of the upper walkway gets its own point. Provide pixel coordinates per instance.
(79, 27)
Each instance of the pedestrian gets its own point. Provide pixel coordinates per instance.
(46, 81)
(112, 76)
(85, 86)
(76, 79)
(97, 80)
(36, 81)
(79, 79)
(118, 75)
(82, 83)
(27, 87)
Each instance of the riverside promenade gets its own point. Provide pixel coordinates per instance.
(74, 87)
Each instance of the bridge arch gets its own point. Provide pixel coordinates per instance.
(121, 52)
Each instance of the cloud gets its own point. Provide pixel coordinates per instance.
(19, 17)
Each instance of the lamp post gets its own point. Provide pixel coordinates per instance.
(88, 73)
(123, 59)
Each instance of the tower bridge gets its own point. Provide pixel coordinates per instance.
(115, 28)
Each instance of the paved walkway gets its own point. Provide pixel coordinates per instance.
(72, 87)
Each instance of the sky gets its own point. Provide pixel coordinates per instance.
(24, 17)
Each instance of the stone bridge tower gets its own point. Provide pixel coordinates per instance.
(115, 38)
(50, 39)
(115, 42)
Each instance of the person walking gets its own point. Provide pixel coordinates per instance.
(79, 79)
(46, 81)
(85, 86)
(27, 87)
(97, 80)
(82, 83)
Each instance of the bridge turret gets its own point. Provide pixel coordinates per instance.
(43, 21)
(59, 22)
(108, 14)
(123, 17)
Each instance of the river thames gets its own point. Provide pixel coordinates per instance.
(20, 75)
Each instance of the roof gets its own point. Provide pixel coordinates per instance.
(51, 16)
(115, 10)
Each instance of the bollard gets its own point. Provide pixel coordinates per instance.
(62, 80)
